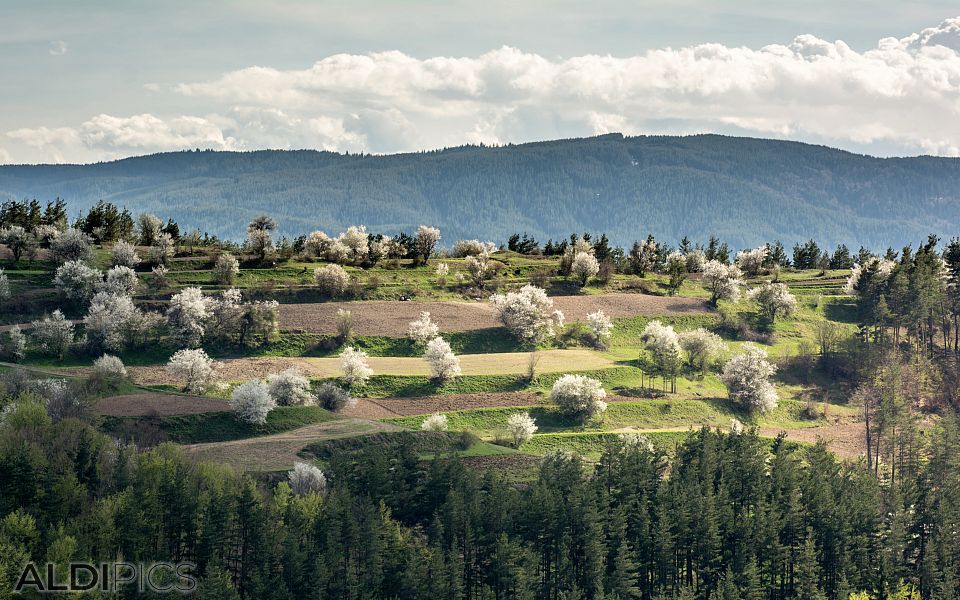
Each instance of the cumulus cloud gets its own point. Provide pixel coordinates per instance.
(58, 48)
(903, 94)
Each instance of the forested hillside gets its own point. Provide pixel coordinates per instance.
(747, 191)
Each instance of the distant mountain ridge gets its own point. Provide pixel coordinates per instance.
(745, 190)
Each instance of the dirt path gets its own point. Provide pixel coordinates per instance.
(278, 452)
(505, 363)
(157, 403)
(390, 318)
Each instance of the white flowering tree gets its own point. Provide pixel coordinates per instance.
(124, 254)
(148, 228)
(226, 269)
(774, 301)
(435, 422)
(108, 321)
(260, 235)
(747, 377)
(76, 280)
(354, 366)
(331, 280)
(722, 281)
(289, 388)
(696, 260)
(583, 267)
(194, 369)
(316, 245)
(663, 345)
(600, 326)
(527, 314)
(71, 245)
(306, 479)
(53, 334)
(751, 261)
(444, 365)
(163, 249)
(251, 402)
(424, 242)
(702, 347)
(187, 316)
(677, 270)
(18, 241)
(4, 286)
(15, 346)
(479, 268)
(355, 240)
(879, 270)
(109, 367)
(442, 270)
(579, 396)
(120, 280)
(465, 248)
(643, 256)
(423, 329)
(521, 427)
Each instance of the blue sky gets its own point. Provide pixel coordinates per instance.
(101, 80)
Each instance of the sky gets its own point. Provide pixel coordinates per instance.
(94, 81)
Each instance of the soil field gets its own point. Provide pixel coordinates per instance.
(383, 408)
(506, 363)
(279, 452)
(147, 403)
(393, 318)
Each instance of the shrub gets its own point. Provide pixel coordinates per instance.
(583, 267)
(107, 322)
(331, 280)
(289, 388)
(16, 344)
(225, 269)
(423, 329)
(333, 397)
(194, 368)
(435, 422)
(579, 395)
(306, 479)
(124, 254)
(344, 325)
(751, 261)
(465, 248)
(109, 367)
(251, 402)
(53, 334)
(774, 300)
(701, 346)
(444, 365)
(601, 326)
(353, 364)
(76, 280)
(521, 428)
(527, 313)
(121, 281)
(747, 377)
(71, 245)
(722, 281)
(424, 241)
(4, 286)
(163, 249)
(187, 316)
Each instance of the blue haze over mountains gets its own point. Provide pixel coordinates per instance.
(746, 191)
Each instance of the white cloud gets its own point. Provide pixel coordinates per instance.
(902, 95)
(58, 48)
(5, 157)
